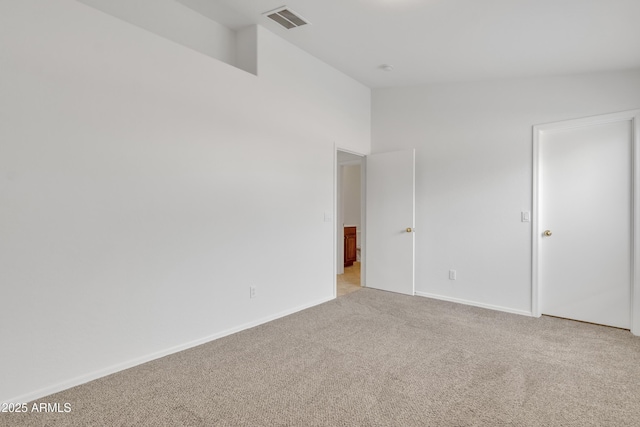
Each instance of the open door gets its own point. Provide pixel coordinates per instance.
(390, 217)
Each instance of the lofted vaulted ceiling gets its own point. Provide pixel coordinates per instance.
(430, 41)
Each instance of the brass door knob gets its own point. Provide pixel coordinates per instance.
(409, 229)
(547, 233)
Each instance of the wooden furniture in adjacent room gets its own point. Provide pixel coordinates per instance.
(350, 252)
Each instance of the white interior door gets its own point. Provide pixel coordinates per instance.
(390, 216)
(584, 225)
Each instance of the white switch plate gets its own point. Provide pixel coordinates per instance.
(526, 216)
(252, 291)
(452, 274)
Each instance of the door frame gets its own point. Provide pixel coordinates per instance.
(337, 179)
(632, 116)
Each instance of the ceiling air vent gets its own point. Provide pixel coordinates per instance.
(286, 18)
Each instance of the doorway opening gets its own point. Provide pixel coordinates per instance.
(350, 215)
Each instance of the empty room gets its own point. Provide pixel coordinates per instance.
(319, 213)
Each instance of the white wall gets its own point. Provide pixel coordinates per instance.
(247, 49)
(174, 21)
(351, 194)
(143, 188)
(318, 88)
(473, 172)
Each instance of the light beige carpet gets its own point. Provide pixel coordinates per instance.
(373, 358)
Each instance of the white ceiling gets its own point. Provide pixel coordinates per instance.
(451, 40)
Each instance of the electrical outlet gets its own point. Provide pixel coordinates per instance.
(452, 275)
(252, 291)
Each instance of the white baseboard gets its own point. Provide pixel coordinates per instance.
(475, 304)
(64, 385)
